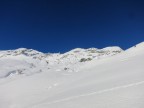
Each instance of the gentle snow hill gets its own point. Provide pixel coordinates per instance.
(112, 78)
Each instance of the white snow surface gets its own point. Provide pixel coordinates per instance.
(80, 78)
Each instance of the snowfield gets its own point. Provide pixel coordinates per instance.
(80, 78)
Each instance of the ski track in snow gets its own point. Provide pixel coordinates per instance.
(89, 94)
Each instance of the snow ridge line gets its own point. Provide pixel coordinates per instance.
(93, 93)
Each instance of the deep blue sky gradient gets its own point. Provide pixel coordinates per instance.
(61, 25)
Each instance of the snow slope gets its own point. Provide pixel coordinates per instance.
(112, 78)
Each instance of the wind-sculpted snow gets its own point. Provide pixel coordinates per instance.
(80, 78)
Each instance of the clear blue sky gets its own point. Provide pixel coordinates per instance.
(61, 25)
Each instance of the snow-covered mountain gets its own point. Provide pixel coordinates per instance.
(29, 61)
(80, 78)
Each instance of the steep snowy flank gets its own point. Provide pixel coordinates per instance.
(138, 47)
(111, 79)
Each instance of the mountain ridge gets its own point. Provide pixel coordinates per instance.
(73, 80)
(25, 60)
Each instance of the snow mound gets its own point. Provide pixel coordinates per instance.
(113, 49)
(21, 51)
